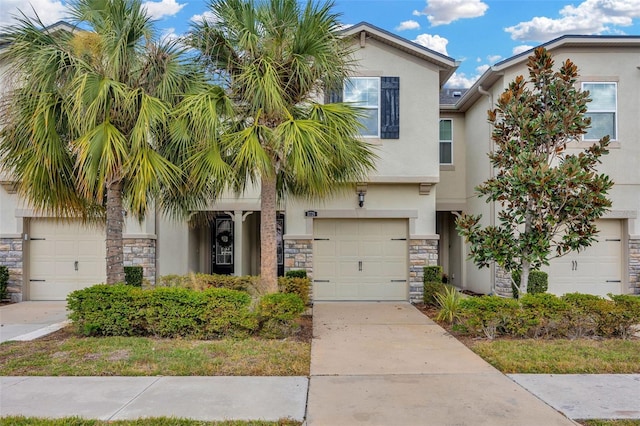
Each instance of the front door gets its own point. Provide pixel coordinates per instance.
(222, 262)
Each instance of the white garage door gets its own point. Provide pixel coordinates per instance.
(64, 256)
(596, 270)
(360, 259)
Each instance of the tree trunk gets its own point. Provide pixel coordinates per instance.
(115, 224)
(268, 235)
(524, 259)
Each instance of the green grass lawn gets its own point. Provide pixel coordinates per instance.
(161, 421)
(634, 422)
(64, 354)
(561, 356)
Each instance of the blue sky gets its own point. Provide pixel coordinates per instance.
(478, 33)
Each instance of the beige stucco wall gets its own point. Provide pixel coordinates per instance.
(381, 201)
(478, 169)
(416, 152)
(451, 191)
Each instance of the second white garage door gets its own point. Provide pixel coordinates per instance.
(64, 256)
(360, 259)
(595, 270)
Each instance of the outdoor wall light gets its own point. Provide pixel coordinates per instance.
(361, 198)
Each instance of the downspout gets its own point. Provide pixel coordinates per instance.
(492, 205)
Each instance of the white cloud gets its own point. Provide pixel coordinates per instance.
(206, 16)
(520, 49)
(433, 42)
(408, 25)
(49, 11)
(441, 12)
(493, 58)
(461, 81)
(482, 68)
(589, 17)
(162, 8)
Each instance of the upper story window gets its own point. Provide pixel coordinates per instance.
(365, 93)
(603, 110)
(379, 98)
(446, 141)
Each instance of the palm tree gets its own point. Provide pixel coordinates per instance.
(272, 60)
(85, 120)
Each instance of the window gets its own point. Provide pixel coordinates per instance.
(446, 141)
(602, 110)
(365, 93)
(379, 97)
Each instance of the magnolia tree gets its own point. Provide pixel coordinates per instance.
(549, 198)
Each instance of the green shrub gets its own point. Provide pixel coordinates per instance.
(227, 313)
(432, 274)
(173, 312)
(487, 316)
(542, 315)
(295, 285)
(107, 310)
(277, 312)
(133, 275)
(123, 310)
(627, 311)
(431, 289)
(449, 303)
(4, 281)
(538, 282)
(296, 273)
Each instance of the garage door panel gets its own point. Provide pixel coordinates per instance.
(594, 270)
(63, 257)
(370, 259)
(347, 247)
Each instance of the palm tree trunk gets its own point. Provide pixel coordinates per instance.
(115, 224)
(268, 235)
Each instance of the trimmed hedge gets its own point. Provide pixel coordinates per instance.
(432, 274)
(4, 281)
(432, 284)
(547, 316)
(295, 285)
(296, 273)
(276, 312)
(133, 275)
(538, 282)
(123, 310)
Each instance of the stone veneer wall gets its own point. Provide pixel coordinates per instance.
(421, 253)
(141, 252)
(634, 266)
(11, 255)
(298, 254)
(503, 283)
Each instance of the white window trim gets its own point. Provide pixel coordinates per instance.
(379, 106)
(615, 112)
(449, 141)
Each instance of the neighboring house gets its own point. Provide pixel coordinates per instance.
(371, 242)
(609, 68)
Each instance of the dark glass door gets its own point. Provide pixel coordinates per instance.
(222, 253)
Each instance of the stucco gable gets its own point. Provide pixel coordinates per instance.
(363, 30)
(494, 73)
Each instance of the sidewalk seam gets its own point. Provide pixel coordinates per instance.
(134, 398)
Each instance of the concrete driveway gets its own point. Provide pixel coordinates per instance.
(388, 364)
(29, 320)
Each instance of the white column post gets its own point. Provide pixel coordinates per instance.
(237, 243)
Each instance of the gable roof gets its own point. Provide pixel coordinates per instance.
(446, 64)
(494, 73)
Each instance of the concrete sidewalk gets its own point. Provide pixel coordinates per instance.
(128, 398)
(388, 364)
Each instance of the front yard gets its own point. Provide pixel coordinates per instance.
(65, 354)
